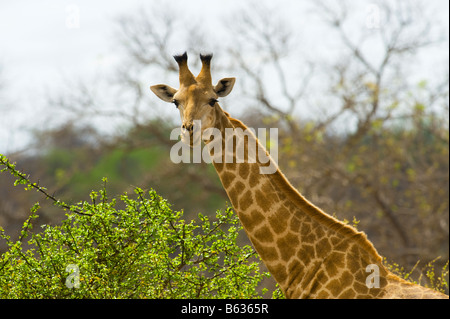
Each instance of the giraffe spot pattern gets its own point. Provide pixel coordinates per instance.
(235, 192)
(252, 219)
(267, 253)
(323, 247)
(244, 171)
(334, 263)
(246, 200)
(280, 273)
(306, 253)
(255, 176)
(227, 178)
(288, 246)
(277, 224)
(264, 201)
(263, 235)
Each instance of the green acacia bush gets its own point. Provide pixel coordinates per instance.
(136, 246)
(142, 250)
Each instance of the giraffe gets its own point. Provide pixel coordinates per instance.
(309, 253)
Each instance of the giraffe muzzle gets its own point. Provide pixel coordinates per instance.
(187, 127)
(191, 133)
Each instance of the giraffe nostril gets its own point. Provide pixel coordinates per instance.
(188, 127)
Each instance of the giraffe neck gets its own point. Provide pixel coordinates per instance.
(308, 252)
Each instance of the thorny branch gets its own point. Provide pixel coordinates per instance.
(25, 179)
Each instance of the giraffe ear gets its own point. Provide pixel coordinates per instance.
(224, 86)
(164, 92)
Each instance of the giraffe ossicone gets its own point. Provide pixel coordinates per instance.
(308, 252)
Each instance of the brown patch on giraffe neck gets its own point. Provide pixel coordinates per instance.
(344, 231)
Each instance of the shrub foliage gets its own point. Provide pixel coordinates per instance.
(134, 246)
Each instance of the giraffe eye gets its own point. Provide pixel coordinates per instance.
(212, 102)
(176, 103)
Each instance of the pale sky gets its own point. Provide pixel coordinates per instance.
(44, 41)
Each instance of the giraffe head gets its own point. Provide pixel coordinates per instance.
(196, 98)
